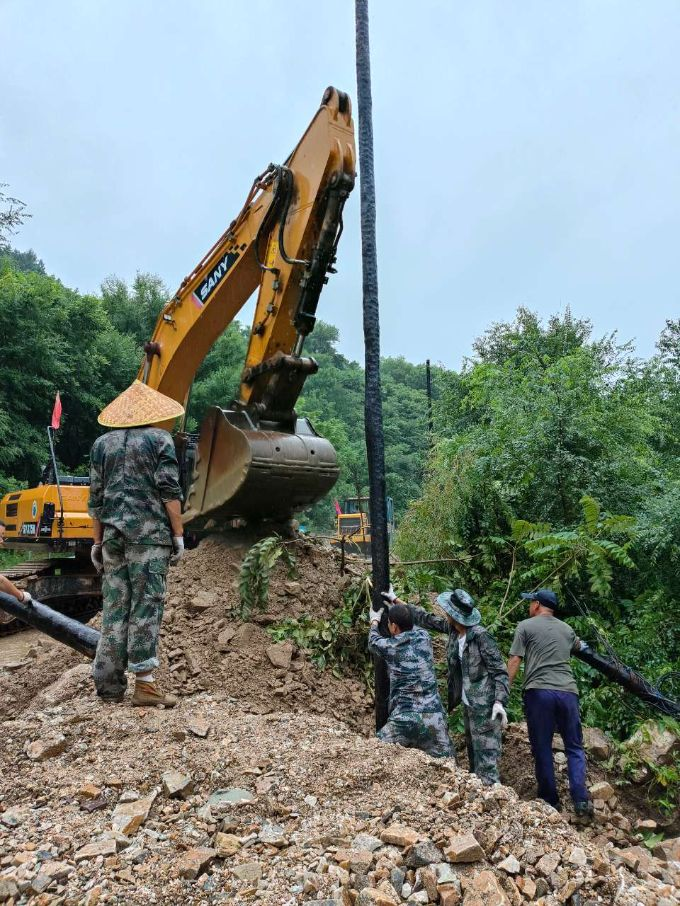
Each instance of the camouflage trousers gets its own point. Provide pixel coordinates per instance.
(483, 741)
(414, 730)
(133, 590)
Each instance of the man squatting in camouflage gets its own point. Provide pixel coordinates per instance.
(416, 714)
(135, 504)
(477, 676)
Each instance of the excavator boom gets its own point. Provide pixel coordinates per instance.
(256, 459)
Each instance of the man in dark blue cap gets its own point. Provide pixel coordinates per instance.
(551, 697)
(476, 676)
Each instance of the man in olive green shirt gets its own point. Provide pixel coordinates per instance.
(550, 697)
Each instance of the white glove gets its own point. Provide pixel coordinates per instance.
(178, 548)
(97, 558)
(498, 712)
(375, 615)
(389, 595)
(26, 597)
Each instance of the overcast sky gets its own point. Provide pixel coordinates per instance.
(526, 150)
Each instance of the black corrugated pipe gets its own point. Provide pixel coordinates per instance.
(375, 447)
(629, 679)
(70, 632)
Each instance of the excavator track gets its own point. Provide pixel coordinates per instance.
(65, 584)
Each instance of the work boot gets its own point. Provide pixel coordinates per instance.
(584, 811)
(149, 695)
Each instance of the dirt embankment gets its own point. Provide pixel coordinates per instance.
(266, 784)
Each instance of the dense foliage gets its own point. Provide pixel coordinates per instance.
(557, 464)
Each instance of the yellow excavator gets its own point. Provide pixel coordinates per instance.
(256, 459)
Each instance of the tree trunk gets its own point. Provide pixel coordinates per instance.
(375, 447)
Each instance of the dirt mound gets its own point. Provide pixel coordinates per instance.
(208, 646)
(208, 804)
(205, 644)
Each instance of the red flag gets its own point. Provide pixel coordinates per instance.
(337, 508)
(56, 413)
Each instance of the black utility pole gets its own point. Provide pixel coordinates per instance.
(375, 446)
(430, 420)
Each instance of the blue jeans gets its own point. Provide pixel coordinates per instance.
(545, 710)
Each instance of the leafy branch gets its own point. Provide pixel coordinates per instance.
(256, 569)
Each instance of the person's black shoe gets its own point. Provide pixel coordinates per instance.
(584, 811)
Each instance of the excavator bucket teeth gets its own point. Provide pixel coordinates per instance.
(253, 473)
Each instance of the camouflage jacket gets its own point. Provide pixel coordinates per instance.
(133, 472)
(482, 672)
(410, 666)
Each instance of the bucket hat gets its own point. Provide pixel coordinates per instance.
(139, 405)
(461, 606)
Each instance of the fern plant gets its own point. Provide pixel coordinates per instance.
(256, 569)
(587, 549)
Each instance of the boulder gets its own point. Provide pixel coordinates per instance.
(248, 871)
(226, 845)
(597, 743)
(46, 747)
(547, 864)
(177, 785)
(484, 890)
(280, 655)
(602, 790)
(128, 817)
(668, 850)
(93, 850)
(199, 726)
(370, 896)
(654, 744)
(464, 848)
(225, 637)
(421, 854)
(195, 861)
(449, 895)
(510, 865)
(399, 835)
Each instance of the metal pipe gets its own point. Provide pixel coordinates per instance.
(69, 632)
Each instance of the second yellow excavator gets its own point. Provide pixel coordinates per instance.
(256, 459)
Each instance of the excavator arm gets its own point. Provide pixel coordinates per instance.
(257, 459)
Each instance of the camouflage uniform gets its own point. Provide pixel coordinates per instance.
(133, 473)
(417, 718)
(484, 677)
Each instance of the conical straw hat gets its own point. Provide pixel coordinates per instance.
(139, 405)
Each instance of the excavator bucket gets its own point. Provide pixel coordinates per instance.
(254, 473)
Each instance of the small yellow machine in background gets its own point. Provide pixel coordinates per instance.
(354, 523)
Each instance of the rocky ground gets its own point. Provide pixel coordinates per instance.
(265, 784)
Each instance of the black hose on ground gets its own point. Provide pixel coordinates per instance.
(69, 632)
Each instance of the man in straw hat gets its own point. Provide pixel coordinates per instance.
(477, 676)
(416, 714)
(135, 503)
